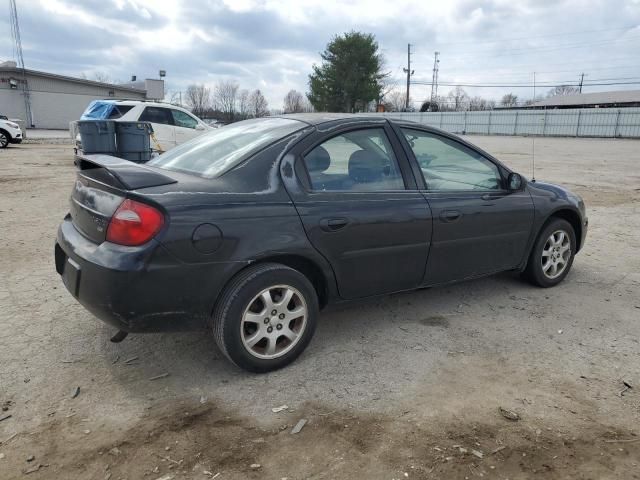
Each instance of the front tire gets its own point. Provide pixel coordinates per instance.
(4, 139)
(265, 317)
(552, 254)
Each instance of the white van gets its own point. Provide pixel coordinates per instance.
(172, 125)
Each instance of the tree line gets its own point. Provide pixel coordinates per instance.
(227, 102)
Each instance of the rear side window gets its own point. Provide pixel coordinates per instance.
(216, 152)
(119, 110)
(157, 115)
(357, 161)
(184, 120)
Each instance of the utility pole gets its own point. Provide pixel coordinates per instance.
(581, 80)
(434, 80)
(409, 72)
(17, 46)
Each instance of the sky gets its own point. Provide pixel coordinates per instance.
(272, 45)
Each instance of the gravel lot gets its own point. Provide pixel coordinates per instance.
(408, 385)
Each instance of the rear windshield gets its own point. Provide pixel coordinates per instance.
(104, 109)
(214, 153)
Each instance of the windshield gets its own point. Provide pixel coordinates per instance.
(214, 153)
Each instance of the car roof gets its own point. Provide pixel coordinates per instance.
(142, 102)
(324, 117)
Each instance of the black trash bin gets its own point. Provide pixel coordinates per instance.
(98, 136)
(133, 141)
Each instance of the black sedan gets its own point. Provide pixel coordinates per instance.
(250, 230)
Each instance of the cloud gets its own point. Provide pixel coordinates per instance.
(272, 45)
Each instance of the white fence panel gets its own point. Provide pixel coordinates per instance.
(575, 122)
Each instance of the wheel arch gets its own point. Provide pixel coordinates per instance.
(308, 268)
(570, 216)
(9, 137)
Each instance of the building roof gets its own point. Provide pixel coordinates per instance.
(7, 67)
(596, 98)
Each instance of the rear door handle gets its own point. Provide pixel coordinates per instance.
(333, 224)
(450, 215)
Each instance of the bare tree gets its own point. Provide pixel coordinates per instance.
(458, 99)
(244, 108)
(198, 99)
(509, 100)
(225, 94)
(563, 90)
(258, 105)
(101, 77)
(293, 102)
(395, 101)
(306, 105)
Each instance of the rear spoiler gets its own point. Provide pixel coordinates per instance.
(130, 175)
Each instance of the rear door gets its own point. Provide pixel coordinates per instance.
(186, 126)
(161, 120)
(360, 208)
(479, 226)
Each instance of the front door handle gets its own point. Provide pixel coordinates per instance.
(449, 216)
(333, 224)
(491, 196)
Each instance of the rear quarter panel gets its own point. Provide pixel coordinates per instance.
(248, 206)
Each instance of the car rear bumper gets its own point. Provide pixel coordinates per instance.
(135, 289)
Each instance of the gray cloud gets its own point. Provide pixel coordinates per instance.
(272, 49)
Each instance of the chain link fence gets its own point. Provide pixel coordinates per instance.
(575, 122)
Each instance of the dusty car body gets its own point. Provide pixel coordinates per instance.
(247, 230)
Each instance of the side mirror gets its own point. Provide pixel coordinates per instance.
(515, 182)
(200, 127)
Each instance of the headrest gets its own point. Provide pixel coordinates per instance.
(366, 167)
(318, 160)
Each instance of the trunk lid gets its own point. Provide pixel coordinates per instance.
(102, 184)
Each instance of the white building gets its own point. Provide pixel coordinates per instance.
(57, 99)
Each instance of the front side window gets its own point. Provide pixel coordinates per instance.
(184, 120)
(357, 161)
(157, 115)
(449, 165)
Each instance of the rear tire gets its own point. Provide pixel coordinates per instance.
(552, 254)
(265, 317)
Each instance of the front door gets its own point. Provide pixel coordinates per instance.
(185, 126)
(361, 210)
(479, 226)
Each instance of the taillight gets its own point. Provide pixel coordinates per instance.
(134, 223)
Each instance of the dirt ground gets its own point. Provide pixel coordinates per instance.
(405, 386)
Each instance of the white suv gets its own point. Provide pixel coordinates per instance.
(172, 125)
(9, 132)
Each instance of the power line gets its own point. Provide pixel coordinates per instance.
(539, 82)
(527, 85)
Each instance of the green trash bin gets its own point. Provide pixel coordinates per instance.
(133, 141)
(98, 136)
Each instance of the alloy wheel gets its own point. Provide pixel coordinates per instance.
(4, 141)
(274, 322)
(556, 254)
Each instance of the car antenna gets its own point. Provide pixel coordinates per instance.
(533, 135)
